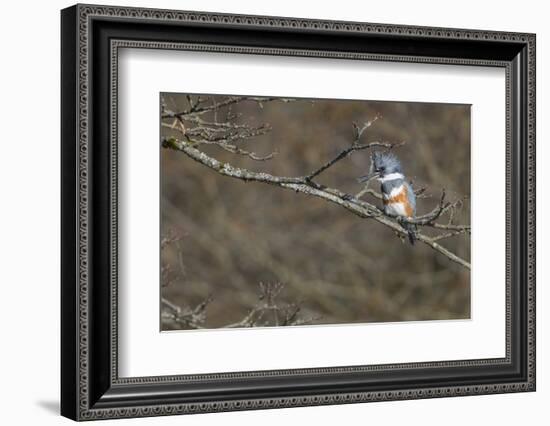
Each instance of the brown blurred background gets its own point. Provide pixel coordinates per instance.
(340, 268)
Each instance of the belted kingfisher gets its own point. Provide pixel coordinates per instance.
(398, 196)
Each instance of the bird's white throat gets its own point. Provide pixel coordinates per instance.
(391, 176)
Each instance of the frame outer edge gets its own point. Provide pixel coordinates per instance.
(79, 340)
(69, 189)
(531, 200)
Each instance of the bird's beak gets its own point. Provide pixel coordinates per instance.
(368, 177)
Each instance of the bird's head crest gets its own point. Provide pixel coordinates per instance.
(385, 163)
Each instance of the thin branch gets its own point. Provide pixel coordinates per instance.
(196, 110)
(345, 152)
(369, 191)
(450, 234)
(355, 146)
(253, 156)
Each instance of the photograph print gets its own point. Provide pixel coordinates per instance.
(299, 212)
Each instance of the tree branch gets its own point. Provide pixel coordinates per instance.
(345, 152)
(305, 185)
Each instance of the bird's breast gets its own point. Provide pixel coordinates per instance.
(394, 193)
(396, 202)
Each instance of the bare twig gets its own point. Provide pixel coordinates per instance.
(196, 109)
(355, 146)
(345, 152)
(191, 318)
(209, 131)
(267, 312)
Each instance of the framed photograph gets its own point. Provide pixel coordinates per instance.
(263, 212)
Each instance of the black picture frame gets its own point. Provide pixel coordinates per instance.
(90, 386)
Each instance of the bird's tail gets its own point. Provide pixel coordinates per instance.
(411, 231)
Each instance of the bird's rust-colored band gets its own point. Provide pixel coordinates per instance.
(401, 198)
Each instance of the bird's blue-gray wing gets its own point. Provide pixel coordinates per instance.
(412, 197)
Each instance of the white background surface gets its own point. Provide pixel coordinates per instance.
(146, 352)
(29, 225)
